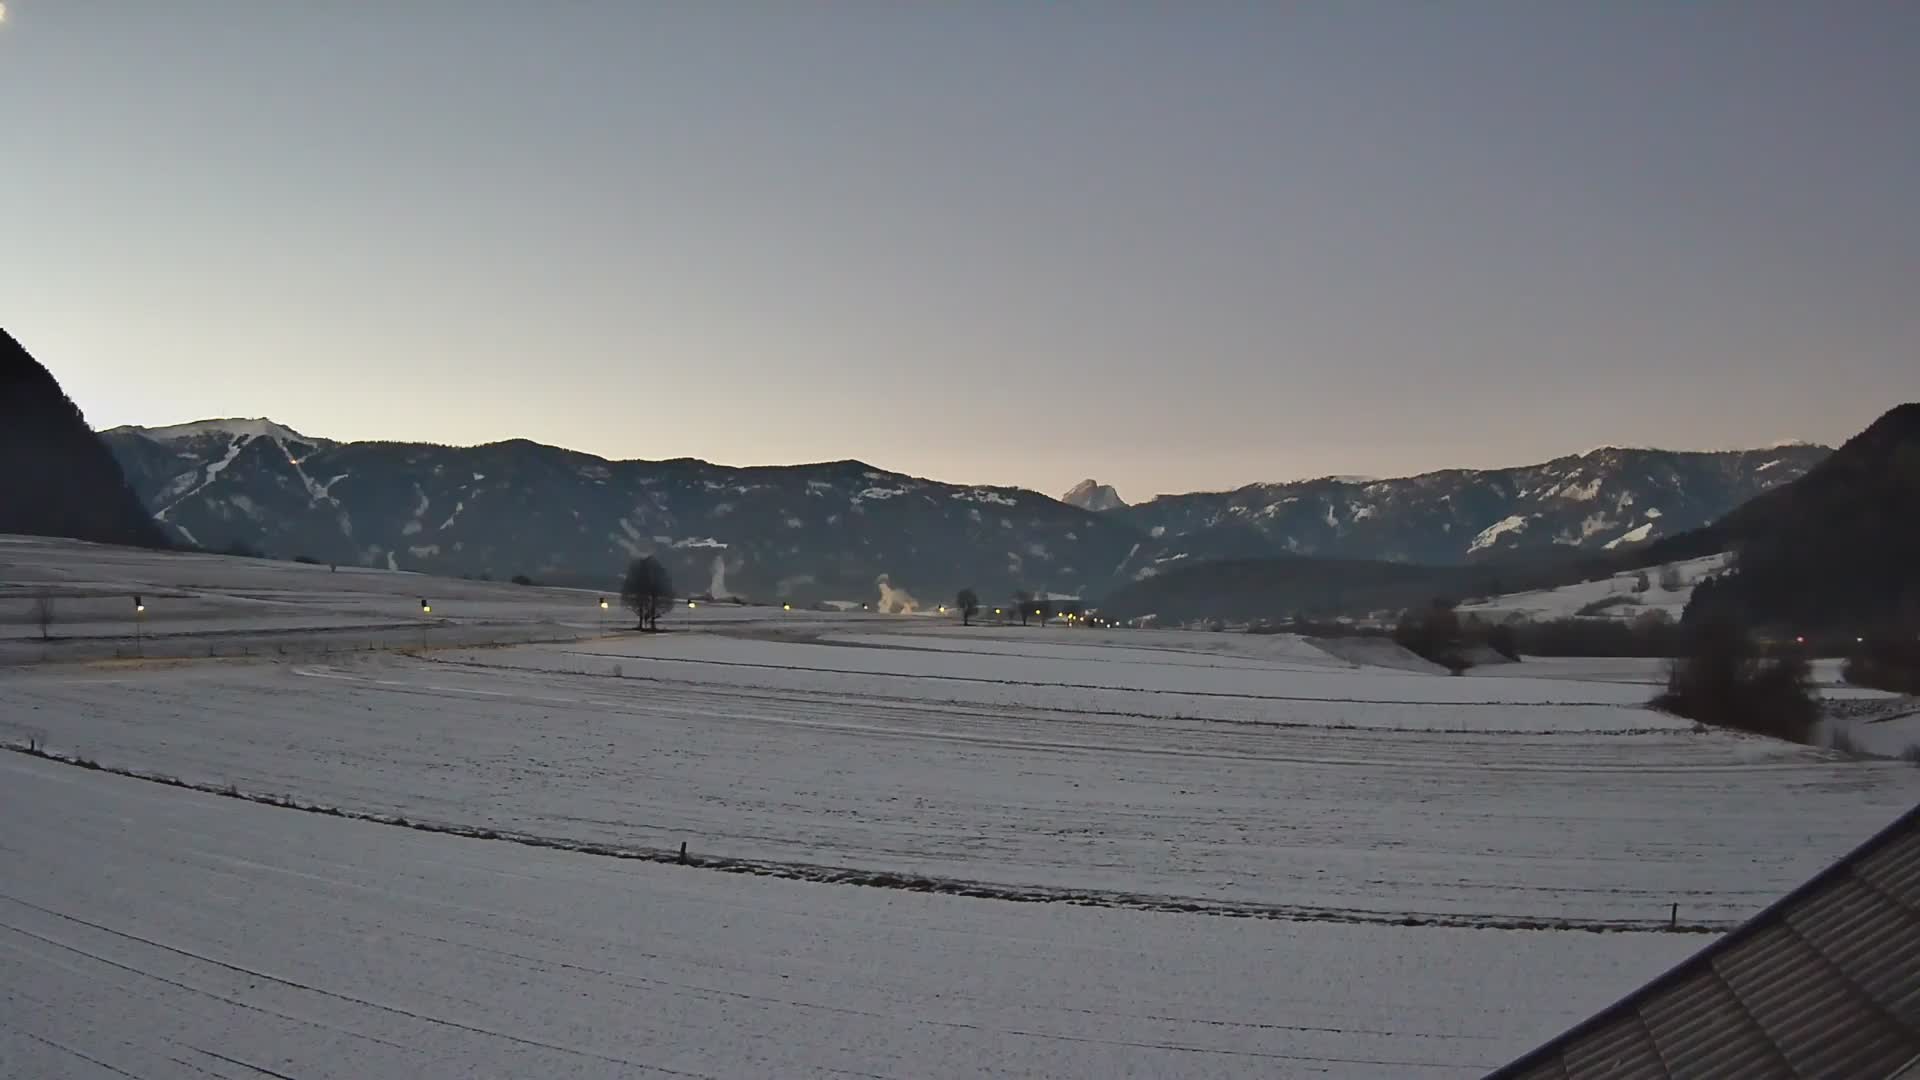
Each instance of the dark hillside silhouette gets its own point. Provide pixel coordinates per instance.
(1834, 551)
(56, 477)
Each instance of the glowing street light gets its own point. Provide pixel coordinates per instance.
(786, 607)
(603, 603)
(691, 605)
(425, 608)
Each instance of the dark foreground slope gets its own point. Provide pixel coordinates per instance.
(56, 477)
(1836, 551)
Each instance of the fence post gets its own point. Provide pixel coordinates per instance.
(1673, 921)
(683, 852)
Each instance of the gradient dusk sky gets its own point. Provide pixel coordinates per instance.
(1171, 246)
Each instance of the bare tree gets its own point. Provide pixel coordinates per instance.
(969, 604)
(42, 614)
(1023, 603)
(647, 592)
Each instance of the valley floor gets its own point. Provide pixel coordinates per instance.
(151, 932)
(1083, 853)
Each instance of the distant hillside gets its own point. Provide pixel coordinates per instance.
(1250, 590)
(56, 477)
(833, 531)
(1833, 552)
(836, 530)
(1604, 500)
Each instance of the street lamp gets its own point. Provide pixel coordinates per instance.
(603, 614)
(691, 605)
(425, 608)
(786, 607)
(139, 616)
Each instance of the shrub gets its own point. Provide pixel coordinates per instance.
(1842, 740)
(1911, 755)
(522, 579)
(43, 615)
(1723, 681)
(1434, 633)
(1888, 662)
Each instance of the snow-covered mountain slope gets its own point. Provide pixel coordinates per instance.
(1601, 500)
(833, 531)
(1666, 590)
(1089, 495)
(805, 532)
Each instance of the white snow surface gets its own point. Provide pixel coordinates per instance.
(1492, 533)
(202, 931)
(257, 428)
(1186, 773)
(1632, 536)
(1565, 602)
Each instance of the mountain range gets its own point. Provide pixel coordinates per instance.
(849, 530)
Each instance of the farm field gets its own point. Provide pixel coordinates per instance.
(1160, 849)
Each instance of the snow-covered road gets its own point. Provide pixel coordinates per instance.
(154, 932)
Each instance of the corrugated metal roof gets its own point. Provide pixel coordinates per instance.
(1823, 983)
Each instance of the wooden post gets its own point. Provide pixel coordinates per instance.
(1673, 921)
(683, 852)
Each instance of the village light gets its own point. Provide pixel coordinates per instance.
(786, 607)
(691, 605)
(425, 608)
(603, 603)
(138, 607)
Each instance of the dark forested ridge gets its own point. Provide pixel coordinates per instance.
(56, 477)
(1836, 551)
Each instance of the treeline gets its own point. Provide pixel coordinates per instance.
(1725, 679)
(1886, 663)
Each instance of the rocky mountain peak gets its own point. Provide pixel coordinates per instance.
(1091, 495)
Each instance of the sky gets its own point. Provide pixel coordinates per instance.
(1169, 246)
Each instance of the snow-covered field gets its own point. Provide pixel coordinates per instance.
(1389, 831)
(1567, 601)
(151, 932)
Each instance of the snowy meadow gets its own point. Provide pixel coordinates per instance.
(914, 848)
